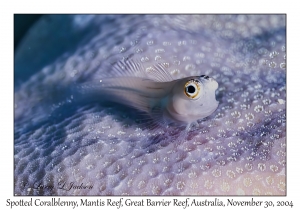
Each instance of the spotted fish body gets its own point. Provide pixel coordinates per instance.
(239, 149)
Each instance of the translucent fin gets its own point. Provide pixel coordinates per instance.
(142, 94)
(133, 68)
(159, 73)
(127, 68)
(184, 134)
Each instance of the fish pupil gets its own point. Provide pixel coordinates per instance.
(191, 89)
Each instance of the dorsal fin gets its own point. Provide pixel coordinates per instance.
(134, 68)
(159, 73)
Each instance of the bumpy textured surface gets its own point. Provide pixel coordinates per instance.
(239, 149)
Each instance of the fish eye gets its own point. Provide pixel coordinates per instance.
(192, 88)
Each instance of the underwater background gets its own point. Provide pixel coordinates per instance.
(238, 150)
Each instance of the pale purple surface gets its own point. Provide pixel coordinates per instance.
(239, 149)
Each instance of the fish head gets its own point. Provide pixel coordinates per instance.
(192, 98)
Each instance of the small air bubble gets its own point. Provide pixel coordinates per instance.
(241, 128)
(264, 62)
(200, 55)
(272, 64)
(208, 184)
(189, 67)
(166, 65)
(247, 182)
(248, 166)
(157, 58)
(250, 124)
(181, 43)
(89, 167)
(138, 50)
(166, 43)
(258, 108)
(230, 174)
(268, 112)
(258, 96)
(159, 50)
(262, 51)
(186, 58)
(216, 173)
(180, 185)
(283, 65)
(273, 44)
(249, 116)
(145, 59)
(236, 114)
(245, 94)
(274, 168)
(133, 43)
(266, 101)
(122, 49)
(281, 101)
(176, 62)
(149, 43)
(193, 41)
(121, 132)
(273, 54)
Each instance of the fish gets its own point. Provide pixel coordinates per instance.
(153, 90)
